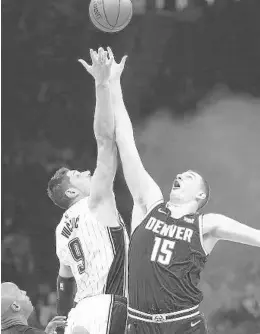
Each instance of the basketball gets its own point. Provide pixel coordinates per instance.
(110, 15)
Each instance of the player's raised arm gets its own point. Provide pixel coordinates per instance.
(103, 177)
(143, 188)
(224, 228)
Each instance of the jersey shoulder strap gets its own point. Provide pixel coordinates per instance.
(61, 244)
(159, 206)
(198, 222)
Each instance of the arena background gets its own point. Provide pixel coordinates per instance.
(191, 85)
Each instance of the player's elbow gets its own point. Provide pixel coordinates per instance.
(104, 140)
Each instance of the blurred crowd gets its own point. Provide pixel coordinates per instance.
(176, 57)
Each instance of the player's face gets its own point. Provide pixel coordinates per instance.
(80, 181)
(25, 302)
(23, 296)
(186, 187)
(20, 297)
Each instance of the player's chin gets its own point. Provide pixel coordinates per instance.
(175, 193)
(87, 191)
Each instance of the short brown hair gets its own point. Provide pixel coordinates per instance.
(206, 190)
(57, 186)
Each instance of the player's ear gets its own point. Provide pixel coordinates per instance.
(15, 307)
(72, 192)
(201, 195)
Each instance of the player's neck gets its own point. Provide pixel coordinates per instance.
(76, 200)
(180, 210)
(18, 319)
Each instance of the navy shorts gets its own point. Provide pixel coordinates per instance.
(119, 316)
(194, 325)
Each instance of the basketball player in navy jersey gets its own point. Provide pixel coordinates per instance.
(170, 240)
(91, 239)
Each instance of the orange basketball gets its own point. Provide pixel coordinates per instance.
(110, 15)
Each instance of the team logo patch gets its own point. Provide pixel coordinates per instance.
(159, 318)
(188, 220)
(162, 211)
(195, 323)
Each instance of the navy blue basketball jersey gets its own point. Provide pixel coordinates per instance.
(166, 257)
(117, 275)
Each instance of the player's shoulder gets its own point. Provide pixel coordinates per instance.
(60, 225)
(75, 212)
(158, 206)
(67, 216)
(81, 207)
(211, 221)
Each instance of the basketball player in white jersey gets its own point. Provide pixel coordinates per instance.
(170, 241)
(91, 239)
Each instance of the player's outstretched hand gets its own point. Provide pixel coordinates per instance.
(58, 321)
(116, 69)
(101, 66)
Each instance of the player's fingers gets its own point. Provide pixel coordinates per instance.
(103, 57)
(122, 63)
(93, 56)
(59, 323)
(100, 50)
(101, 54)
(91, 52)
(85, 64)
(59, 317)
(110, 53)
(110, 61)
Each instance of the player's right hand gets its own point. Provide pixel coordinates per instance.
(116, 69)
(58, 321)
(101, 66)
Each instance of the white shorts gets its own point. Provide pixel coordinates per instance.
(94, 315)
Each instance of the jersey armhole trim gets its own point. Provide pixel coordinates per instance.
(201, 234)
(153, 206)
(147, 213)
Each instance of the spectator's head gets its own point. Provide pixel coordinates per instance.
(67, 187)
(190, 188)
(52, 299)
(15, 304)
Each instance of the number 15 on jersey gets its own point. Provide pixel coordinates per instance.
(162, 250)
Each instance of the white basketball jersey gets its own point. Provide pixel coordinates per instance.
(93, 314)
(92, 251)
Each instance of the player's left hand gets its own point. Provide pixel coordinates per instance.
(58, 321)
(101, 66)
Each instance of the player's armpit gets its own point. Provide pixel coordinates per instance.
(138, 215)
(225, 228)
